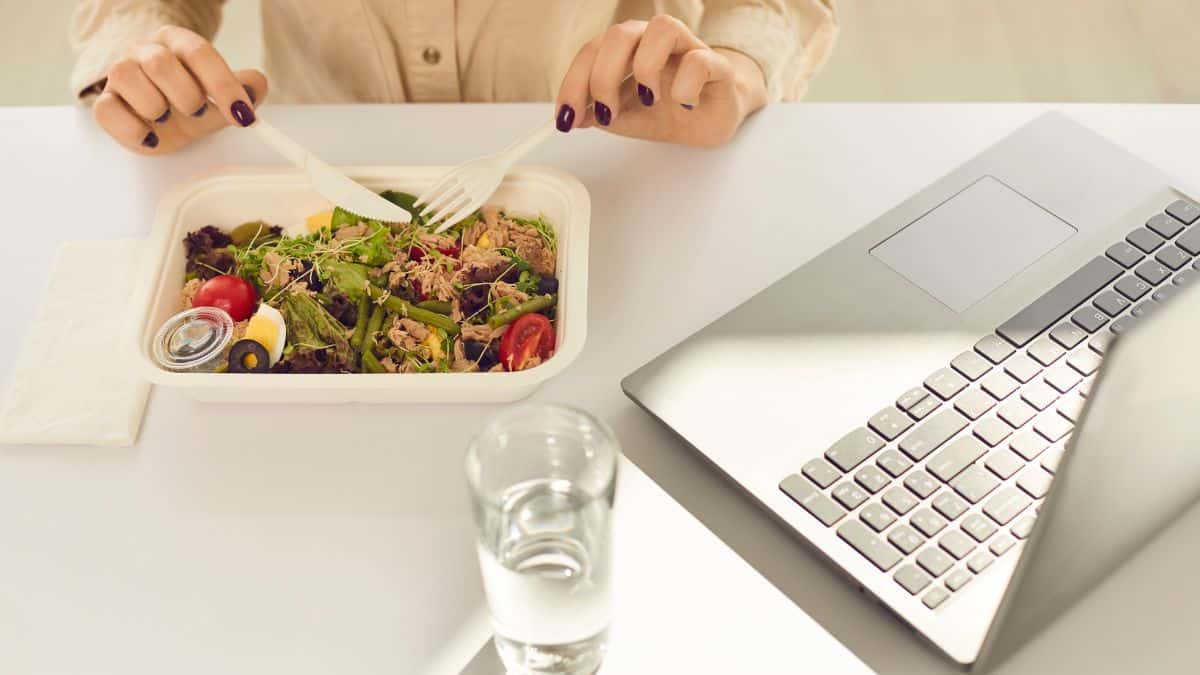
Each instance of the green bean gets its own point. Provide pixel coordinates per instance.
(410, 311)
(360, 324)
(439, 306)
(370, 364)
(374, 324)
(530, 306)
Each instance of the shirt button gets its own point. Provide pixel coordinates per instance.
(431, 55)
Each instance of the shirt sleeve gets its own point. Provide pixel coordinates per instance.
(789, 39)
(101, 31)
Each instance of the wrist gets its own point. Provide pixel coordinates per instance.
(749, 81)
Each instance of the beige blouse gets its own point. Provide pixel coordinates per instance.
(329, 51)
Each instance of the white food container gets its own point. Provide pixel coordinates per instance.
(282, 196)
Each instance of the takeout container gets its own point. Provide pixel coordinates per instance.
(282, 196)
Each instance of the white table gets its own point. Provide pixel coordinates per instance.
(236, 539)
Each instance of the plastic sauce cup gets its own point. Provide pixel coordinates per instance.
(194, 341)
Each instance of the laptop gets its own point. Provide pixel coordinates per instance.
(941, 405)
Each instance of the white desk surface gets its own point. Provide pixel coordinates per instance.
(257, 539)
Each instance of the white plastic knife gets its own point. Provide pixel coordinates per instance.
(329, 182)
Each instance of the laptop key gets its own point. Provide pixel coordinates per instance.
(1045, 351)
(1028, 444)
(1059, 301)
(927, 522)
(1071, 407)
(905, 538)
(974, 483)
(877, 517)
(899, 500)
(1068, 335)
(949, 505)
(1173, 257)
(992, 431)
(1004, 463)
(1039, 395)
(889, 422)
(980, 562)
(994, 348)
(1016, 412)
(1132, 288)
(971, 365)
(1164, 226)
(1184, 210)
(1123, 253)
(1062, 377)
(1006, 504)
(1084, 361)
(978, 527)
(935, 597)
(1022, 368)
(1152, 271)
(957, 579)
(1141, 309)
(974, 403)
(1002, 544)
(934, 561)
(1163, 293)
(1089, 319)
(1035, 481)
(821, 507)
(921, 410)
(849, 495)
(1190, 241)
(956, 544)
(853, 448)
(920, 483)
(1053, 458)
(893, 462)
(999, 384)
(871, 478)
(1123, 324)
(872, 547)
(912, 579)
(932, 433)
(1100, 342)
(1187, 276)
(946, 382)
(820, 472)
(955, 457)
(1052, 426)
(1111, 302)
(911, 397)
(1144, 239)
(1023, 527)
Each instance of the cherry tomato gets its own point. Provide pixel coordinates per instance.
(230, 293)
(528, 336)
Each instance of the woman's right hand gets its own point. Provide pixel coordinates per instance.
(172, 89)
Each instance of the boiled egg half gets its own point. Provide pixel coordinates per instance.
(267, 328)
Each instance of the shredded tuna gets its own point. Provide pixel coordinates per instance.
(389, 365)
(480, 332)
(414, 328)
(401, 337)
(188, 293)
(506, 290)
(351, 232)
(278, 270)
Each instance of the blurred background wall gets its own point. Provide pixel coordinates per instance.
(890, 50)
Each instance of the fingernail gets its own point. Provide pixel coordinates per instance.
(163, 117)
(603, 114)
(203, 109)
(645, 94)
(687, 106)
(242, 113)
(250, 93)
(565, 119)
(151, 140)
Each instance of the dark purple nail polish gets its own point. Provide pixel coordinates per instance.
(603, 114)
(645, 95)
(250, 93)
(242, 113)
(163, 117)
(200, 112)
(565, 119)
(687, 106)
(151, 140)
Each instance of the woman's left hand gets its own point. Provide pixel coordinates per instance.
(681, 90)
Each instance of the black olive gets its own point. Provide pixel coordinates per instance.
(474, 349)
(547, 285)
(512, 276)
(247, 356)
(490, 357)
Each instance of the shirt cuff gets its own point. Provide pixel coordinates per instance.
(106, 46)
(759, 34)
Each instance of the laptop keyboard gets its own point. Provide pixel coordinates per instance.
(936, 486)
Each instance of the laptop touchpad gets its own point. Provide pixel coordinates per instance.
(973, 242)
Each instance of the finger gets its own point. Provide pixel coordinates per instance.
(115, 117)
(255, 84)
(573, 93)
(698, 68)
(665, 36)
(171, 78)
(612, 64)
(127, 80)
(210, 69)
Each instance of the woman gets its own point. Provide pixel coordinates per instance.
(681, 71)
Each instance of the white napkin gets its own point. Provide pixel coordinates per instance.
(75, 381)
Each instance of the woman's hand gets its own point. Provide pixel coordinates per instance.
(171, 90)
(681, 91)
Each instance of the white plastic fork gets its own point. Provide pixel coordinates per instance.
(466, 187)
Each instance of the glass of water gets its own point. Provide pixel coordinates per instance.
(542, 481)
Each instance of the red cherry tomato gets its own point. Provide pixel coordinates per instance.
(230, 293)
(529, 335)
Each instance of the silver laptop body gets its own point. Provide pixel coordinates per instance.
(903, 400)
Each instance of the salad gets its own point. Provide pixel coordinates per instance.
(355, 295)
